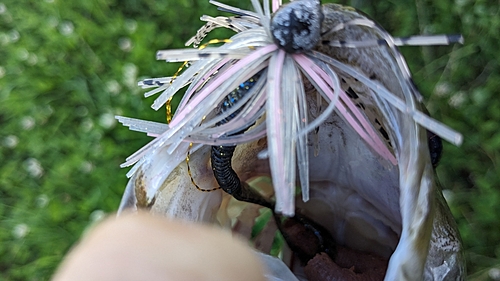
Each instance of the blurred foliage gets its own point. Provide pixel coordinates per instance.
(67, 67)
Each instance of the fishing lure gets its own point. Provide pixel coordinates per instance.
(214, 71)
(221, 155)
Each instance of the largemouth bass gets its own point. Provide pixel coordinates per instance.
(334, 104)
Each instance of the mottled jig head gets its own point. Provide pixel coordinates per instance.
(296, 27)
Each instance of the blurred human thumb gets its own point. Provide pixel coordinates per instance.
(144, 247)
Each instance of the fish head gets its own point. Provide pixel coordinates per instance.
(367, 167)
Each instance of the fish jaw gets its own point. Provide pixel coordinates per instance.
(446, 258)
(416, 205)
(189, 203)
(175, 195)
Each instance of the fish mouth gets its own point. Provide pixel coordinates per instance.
(355, 196)
(372, 189)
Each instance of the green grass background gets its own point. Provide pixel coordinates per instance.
(67, 67)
